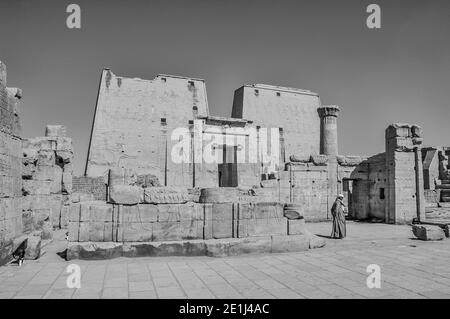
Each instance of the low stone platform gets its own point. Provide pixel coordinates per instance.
(210, 247)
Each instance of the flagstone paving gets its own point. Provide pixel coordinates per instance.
(409, 269)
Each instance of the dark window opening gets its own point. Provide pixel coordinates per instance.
(382, 195)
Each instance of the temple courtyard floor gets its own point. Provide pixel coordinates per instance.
(409, 268)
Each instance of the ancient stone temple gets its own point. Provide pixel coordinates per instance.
(165, 177)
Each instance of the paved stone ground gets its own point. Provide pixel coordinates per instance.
(409, 269)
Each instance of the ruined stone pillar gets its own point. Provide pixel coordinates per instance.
(328, 129)
(420, 196)
(405, 193)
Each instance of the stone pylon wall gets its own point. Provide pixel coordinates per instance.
(134, 120)
(10, 168)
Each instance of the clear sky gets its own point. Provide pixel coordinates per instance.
(399, 73)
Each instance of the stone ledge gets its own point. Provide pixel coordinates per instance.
(211, 247)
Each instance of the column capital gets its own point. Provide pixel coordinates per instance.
(328, 110)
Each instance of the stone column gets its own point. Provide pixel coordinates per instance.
(328, 129)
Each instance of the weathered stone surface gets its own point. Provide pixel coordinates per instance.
(33, 250)
(300, 158)
(219, 195)
(319, 160)
(95, 186)
(428, 232)
(212, 247)
(264, 210)
(82, 197)
(316, 242)
(166, 195)
(296, 227)
(126, 194)
(55, 130)
(147, 180)
(349, 160)
(261, 227)
(97, 211)
(46, 158)
(182, 230)
(163, 249)
(220, 219)
(292, 214)
(32, 187)
(121, 176)
(94, 251)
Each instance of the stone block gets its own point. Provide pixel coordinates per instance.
(316, 242)
(63, 158)
(219, 195)
(179, 212)
(66, 182)
(55, 131)
(222, 220)
(281, 244)
(64, 217)
(428, 232)
(33, 250)
(73, 230)
(45, 173)
(28, 170)
(260, 210)
(29, 156)
(140, 213)
(40, 143)
(126, 194)
(163, 249)
(166, 195)
(45, 158)
(32, 187)
(138, 232)
(296, 227)
(94, 251)
(261, 227)
(319, 160)
(64, 144)
(96, 211)
(81, 197)
(182, 230)
(95, 231)
(147, 180)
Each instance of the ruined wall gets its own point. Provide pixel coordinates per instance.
(10, 168)
(47, 169)
(369, 188)
(293, 110)
(403, 157)
(134, 119)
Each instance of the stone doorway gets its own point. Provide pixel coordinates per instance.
(228, 174)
